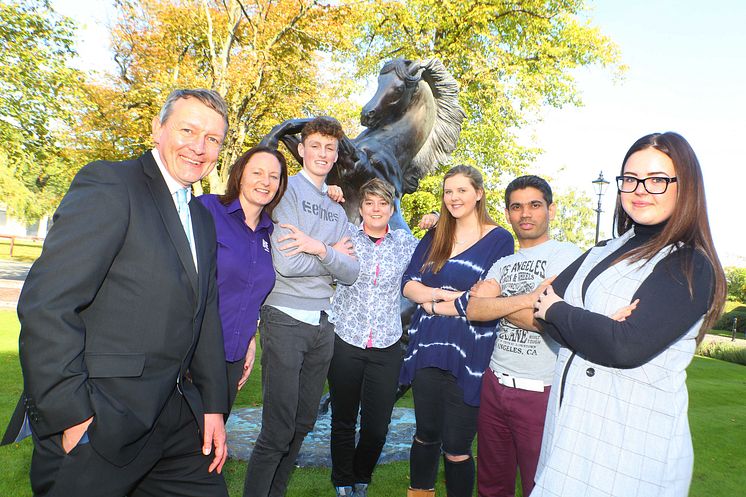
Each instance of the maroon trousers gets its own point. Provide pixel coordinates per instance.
(509, 430)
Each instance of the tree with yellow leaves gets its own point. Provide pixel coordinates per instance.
(264, 57)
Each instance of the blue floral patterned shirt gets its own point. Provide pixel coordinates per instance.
(366, 313)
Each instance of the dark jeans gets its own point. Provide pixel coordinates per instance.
(170, 463)
(364, 379)
(295, 360)
(444, 422)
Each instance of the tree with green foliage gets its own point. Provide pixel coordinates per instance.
(574, 221)
(279, 59)
(37, 96)
(510, 58)
(736, 278)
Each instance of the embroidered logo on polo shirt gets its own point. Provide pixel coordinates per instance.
(265, 245)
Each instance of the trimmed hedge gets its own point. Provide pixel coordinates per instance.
(726, 320)
(723, 350)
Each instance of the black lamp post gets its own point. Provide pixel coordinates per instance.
(599, 185)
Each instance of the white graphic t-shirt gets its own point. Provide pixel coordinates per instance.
(518, 352)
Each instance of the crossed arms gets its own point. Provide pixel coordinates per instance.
(296, 253)
(486, 304)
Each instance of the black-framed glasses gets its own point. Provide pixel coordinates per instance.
(653, 184)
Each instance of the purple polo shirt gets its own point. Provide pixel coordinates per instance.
(244, 270)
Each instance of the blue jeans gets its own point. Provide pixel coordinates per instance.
(295, 360)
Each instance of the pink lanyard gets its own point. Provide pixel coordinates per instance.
(375, 283)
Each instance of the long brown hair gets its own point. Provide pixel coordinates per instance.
(445, 230)
(233, 189)
(688, 223)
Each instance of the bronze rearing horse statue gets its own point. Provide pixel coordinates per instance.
(412, 124)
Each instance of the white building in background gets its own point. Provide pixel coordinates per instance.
(10, 226)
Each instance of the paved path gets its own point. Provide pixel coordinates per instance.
(12, 270)
(717, 338)
(12, 275)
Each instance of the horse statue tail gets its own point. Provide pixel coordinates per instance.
(444, 136)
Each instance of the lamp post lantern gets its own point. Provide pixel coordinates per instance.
(599, 185)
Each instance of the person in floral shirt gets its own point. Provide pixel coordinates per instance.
(367, 356)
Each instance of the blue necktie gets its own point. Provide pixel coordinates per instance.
(186, 220)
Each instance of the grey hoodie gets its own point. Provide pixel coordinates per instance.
(304, 281)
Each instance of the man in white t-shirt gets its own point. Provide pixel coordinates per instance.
(515, 388)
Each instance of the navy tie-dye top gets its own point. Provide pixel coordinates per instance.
(452, 343)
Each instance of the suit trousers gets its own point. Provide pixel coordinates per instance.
(364, 380)
(509, 430)
(170, 464)
(295, 360)
(235, 371)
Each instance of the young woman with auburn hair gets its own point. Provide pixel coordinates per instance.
(617, 423)
(243, 225)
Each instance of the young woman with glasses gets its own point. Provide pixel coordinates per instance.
(617, 418)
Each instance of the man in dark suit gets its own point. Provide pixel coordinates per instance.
(121, 346)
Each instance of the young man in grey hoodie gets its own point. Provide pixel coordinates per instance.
(309, 252)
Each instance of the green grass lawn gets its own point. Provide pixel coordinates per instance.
(14, 459)
(717, 415)
(23, 251)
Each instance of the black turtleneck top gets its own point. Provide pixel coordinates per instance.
(665, 312)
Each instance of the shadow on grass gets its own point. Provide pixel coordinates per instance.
(717, 415)
(15, 459)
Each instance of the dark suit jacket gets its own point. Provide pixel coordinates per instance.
(114, 313)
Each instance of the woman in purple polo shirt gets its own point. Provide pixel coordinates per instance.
(243, 223)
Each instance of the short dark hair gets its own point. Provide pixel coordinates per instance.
(529, 181)
(233, 189)
(210, 98)
(323, 125)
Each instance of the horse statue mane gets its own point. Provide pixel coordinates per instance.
(412, 125)
(443, 138)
